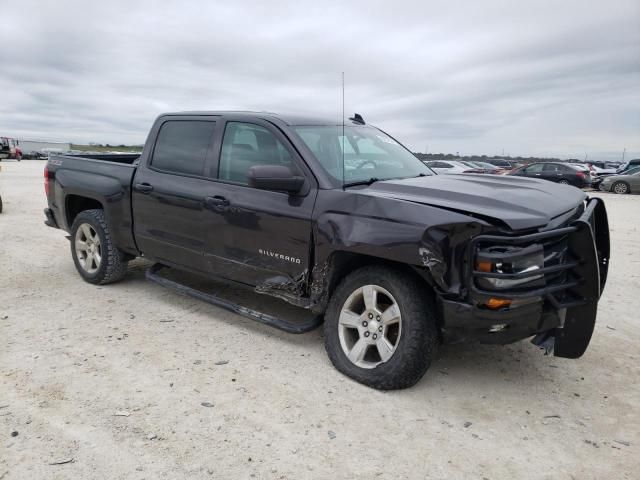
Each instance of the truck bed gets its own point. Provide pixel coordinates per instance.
(97, 181)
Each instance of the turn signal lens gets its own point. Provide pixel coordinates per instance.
(497, 303)
(482, 266)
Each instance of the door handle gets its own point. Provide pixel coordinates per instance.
(143, 188)
(216, 202)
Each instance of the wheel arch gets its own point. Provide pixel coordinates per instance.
(74, 204)
(342, 263)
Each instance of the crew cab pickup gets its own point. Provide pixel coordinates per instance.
(341, 219)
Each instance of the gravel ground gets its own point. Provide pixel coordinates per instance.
(133, 381)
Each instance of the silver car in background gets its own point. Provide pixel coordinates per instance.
(621, 184)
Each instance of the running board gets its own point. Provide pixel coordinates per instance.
(279, 323)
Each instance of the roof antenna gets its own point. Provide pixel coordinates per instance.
(343, 179)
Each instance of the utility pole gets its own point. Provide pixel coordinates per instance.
(623, 152)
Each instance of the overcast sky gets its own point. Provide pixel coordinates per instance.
(557, 78)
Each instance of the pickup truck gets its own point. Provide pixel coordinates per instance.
(344, 221)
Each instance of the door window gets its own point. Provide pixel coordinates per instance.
(535, 168)
(553, 168)
(246, 145)
(182, 146)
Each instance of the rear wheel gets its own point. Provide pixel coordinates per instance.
(564, 181)
(380, 328)
(620, 188)
(97, 259)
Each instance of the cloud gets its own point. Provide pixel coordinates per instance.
(541, 78)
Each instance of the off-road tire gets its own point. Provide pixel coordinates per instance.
(418, 342)
(622, 186)
(113, 265)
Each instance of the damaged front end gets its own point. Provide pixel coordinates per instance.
(546, 284)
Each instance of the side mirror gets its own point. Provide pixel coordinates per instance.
(274, 177)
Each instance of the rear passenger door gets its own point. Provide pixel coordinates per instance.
(554, 172)
(258, 237)
(168, 191)
(534, 171)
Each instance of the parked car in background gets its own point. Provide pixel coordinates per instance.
(628, 182)
(629, 165)
(608, 169)
(586, 169)
(9, 148)
(445, 167)
(480, 167)
(490, 166)
(502, 163)
(558, 172)
(604, 165)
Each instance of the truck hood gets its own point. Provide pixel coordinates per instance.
(520, 203)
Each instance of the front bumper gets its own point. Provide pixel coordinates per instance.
(562, 310)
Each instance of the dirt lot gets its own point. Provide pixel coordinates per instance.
(112, 381)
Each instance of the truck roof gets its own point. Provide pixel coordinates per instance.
(287, 119)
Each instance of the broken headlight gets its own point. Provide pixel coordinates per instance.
(505, 267)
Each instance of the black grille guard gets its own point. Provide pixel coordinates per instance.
(575, 283)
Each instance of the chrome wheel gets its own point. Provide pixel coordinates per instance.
(563, 182)
(620, 188)
(369, 326)
(88, 250)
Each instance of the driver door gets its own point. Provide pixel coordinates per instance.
(258, 237)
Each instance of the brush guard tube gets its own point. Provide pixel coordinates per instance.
(575, 294)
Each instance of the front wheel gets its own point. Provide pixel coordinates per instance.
(380, 328)
(97, 259)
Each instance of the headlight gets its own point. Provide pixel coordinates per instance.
(506, 267)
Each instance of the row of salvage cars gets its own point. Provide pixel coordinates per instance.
(625, 179)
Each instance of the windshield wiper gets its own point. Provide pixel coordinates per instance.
(362, 182)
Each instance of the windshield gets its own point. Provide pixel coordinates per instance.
(368, 153)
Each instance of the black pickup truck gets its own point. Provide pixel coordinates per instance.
(346, 222)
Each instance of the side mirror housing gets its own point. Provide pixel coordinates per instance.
(274, 177)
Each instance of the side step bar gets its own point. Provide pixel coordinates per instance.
(279, 323)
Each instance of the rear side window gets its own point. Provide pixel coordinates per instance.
(182, 146)
(246, 145)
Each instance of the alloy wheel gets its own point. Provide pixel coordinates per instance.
(620, 188)
(88, 249)
(369, 326)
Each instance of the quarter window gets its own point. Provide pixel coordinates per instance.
(246, 145)
(182, 146)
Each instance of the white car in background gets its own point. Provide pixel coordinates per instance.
(447, 166)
